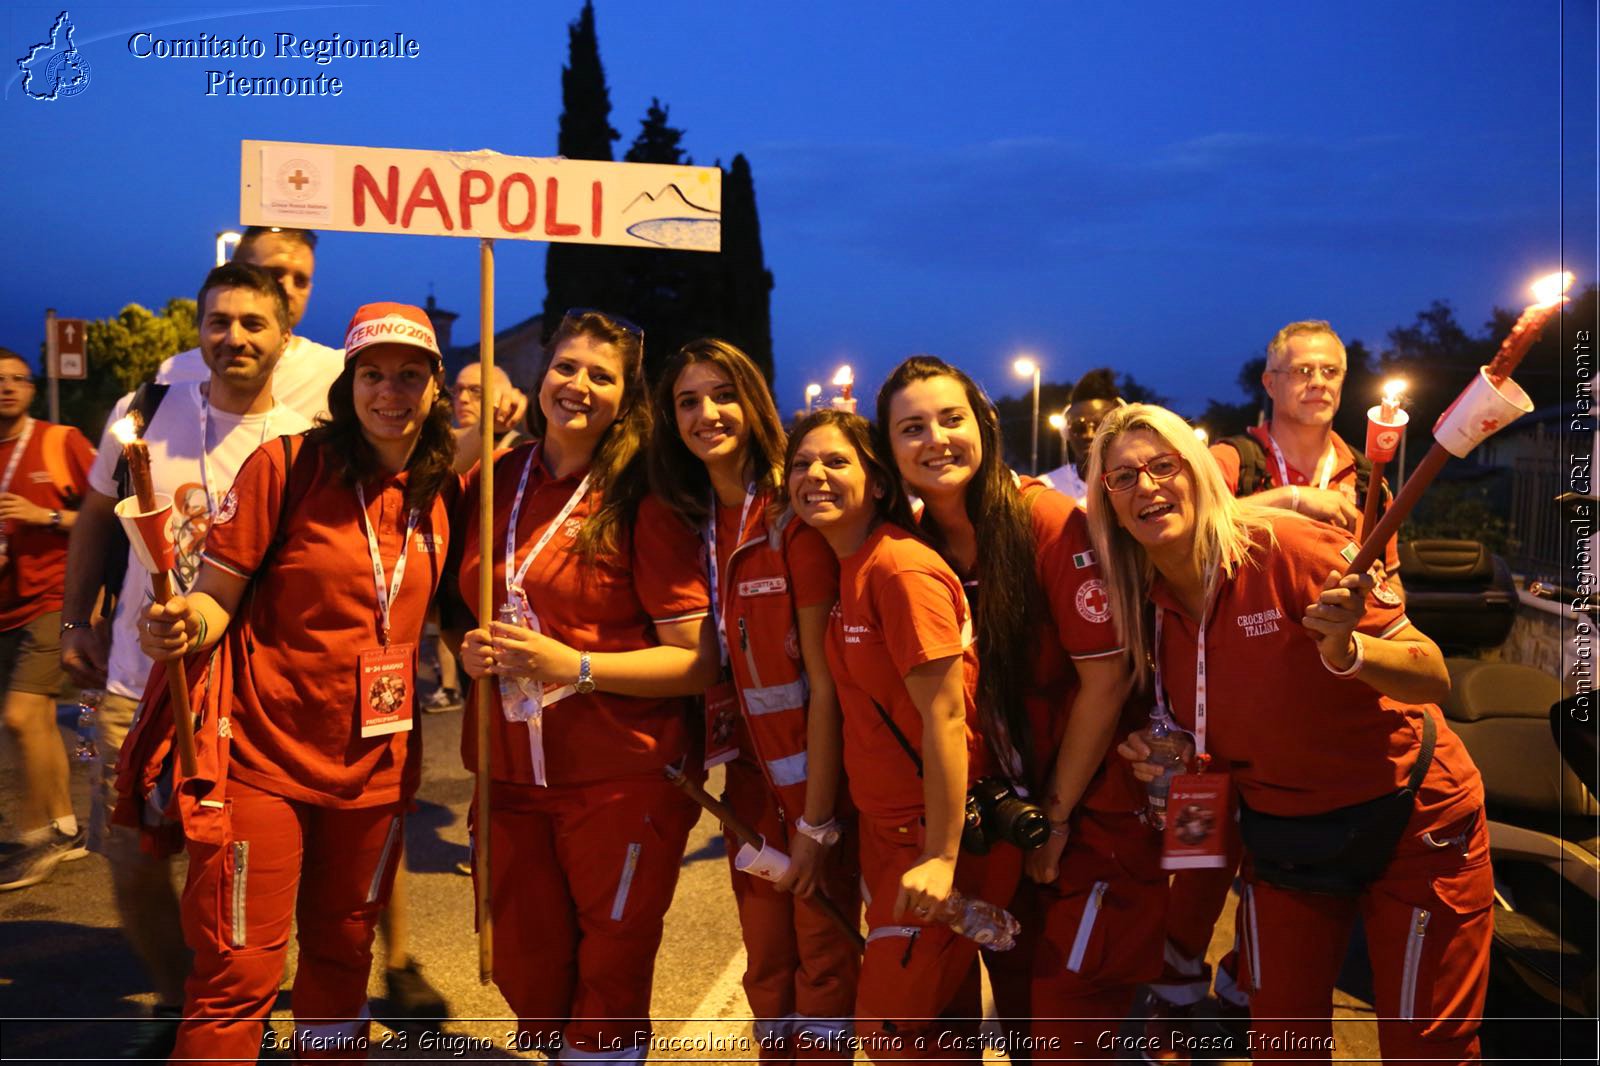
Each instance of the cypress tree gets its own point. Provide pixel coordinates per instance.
(745, 281)
(581, 275)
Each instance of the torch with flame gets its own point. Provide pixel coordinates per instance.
(1490, 402)
(845, 379)
(1386, 425)
(146, 517)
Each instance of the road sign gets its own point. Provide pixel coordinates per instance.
(67, 343)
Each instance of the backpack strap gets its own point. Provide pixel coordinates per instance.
(1253, 473)
(911, 753)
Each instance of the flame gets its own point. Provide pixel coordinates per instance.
(844, 377)
(125, 429)
(1394, 390)
(1552, 288)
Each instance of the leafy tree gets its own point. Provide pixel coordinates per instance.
(582, 275)
(122, 352)
(1224, 419)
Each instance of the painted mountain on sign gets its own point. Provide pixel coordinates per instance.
(673, 221)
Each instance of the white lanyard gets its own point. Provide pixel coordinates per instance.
(1324, 469)
(388, 595)
(205, 447)
(16, 455)
(711, 560)
(514, 577)
(1199, 672)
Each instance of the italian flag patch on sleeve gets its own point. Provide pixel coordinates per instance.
(1083, 560)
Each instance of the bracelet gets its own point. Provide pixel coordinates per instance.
(1294, 498)
(1060, 829)
(826, 834)
(1356, 665)
(200, 632)
(76, 625)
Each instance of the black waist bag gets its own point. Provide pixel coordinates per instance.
(1338, 852)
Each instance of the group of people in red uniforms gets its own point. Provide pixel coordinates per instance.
(887, 620)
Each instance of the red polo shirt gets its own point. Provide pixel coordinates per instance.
(1343, 479)
(1297, 739)
(900, 606)
(32, 579)
(311, 612)
(813, 568)
(657, 576)
(1079, 627)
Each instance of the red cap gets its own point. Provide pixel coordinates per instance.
(390, 323)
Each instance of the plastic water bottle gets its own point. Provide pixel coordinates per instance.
(88, 722)
(1166, 742)
(980, 921)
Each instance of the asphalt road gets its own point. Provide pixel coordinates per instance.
(70, 987)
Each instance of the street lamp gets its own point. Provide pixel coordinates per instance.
(1202, 435)
(226, 240)
(1025, 367)
(813, 390)
(1058, 422)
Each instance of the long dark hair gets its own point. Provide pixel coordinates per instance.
(348, 453)
(676, 474)
(892, 506)
(613, 473)
(1009, 601)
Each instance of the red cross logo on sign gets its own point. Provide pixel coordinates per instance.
(298, 180)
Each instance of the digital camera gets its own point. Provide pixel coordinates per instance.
(996, 813)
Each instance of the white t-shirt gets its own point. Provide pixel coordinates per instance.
(176, 470)
(1065, 479)
(300, 380)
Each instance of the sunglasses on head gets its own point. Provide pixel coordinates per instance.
(631, 328)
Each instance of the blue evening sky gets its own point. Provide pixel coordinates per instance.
(1155, 186)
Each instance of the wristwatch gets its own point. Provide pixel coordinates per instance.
(55, 519)
(585, 683)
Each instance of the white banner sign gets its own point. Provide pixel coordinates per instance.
(479, 194)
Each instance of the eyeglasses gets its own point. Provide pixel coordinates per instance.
(621, 323)
(474, 391)
(15, 379)
(1308, 373)
(1163, 467)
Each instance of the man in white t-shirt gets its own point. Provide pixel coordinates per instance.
(307, 368)
(1093, 397)
(198, 437)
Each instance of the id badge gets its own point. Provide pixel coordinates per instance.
(722, 718)
(1199, 818)
(386, 689)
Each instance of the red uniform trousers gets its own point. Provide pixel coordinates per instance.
(1197, 899)
(1104, 921)
(801, 971)
(912, 974)
(1428, 925)
(330, 869)
(581, 877)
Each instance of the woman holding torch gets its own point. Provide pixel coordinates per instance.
(320, 760)
(900, 649)
(1355, 796)
(1052, 682)
(716, 459)
(601, 630)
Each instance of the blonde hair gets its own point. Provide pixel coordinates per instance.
(1278, 347)
(1226, 529)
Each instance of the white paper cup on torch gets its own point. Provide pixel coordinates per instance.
(1383, 438)
(1482, 408)
(148, 531)
(769, 863)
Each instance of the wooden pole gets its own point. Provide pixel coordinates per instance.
(485, 596)
(1372, 544)
(749, 836)
(1369, 509)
